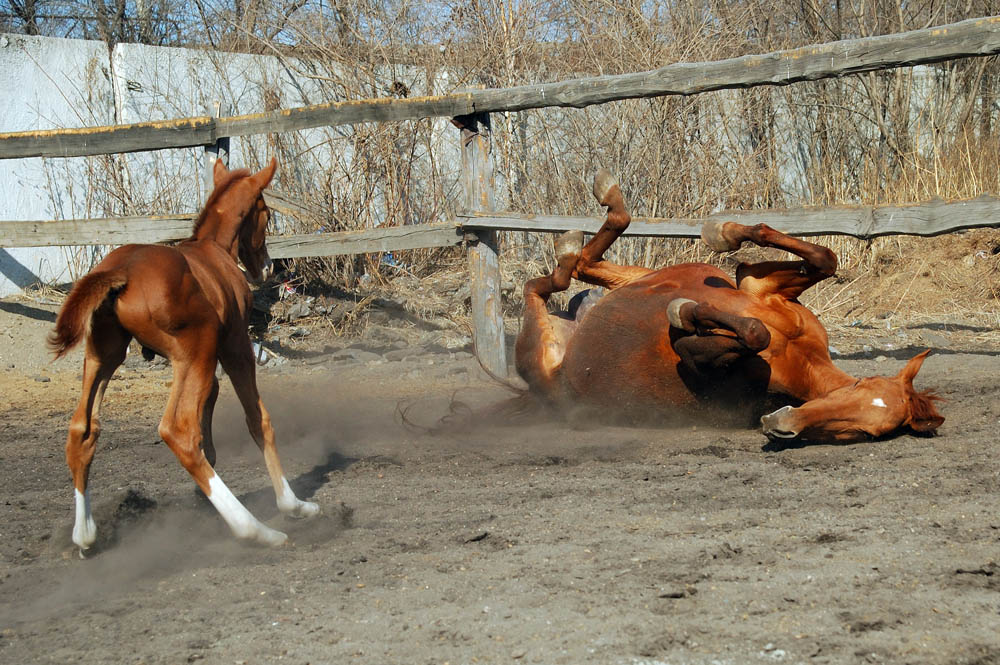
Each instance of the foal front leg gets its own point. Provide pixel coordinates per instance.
(238, 362)
(181, 429)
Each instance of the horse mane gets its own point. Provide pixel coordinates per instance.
(922, 405)
(221, 188)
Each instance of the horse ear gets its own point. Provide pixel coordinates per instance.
(907, 373)
(219, 170)
(263, 177)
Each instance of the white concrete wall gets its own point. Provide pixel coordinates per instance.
(53, 83)
(48, 83)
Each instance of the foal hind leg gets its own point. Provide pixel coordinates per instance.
(787, 278)
(207, 443)
(708, 339)
(238, 362)
(104, 352)
(181, 429)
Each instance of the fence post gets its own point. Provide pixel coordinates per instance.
(484, 263)
(219, 150)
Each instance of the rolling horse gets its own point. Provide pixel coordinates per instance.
(689, 337)
(189, 303)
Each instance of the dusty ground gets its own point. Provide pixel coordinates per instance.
(536, 544)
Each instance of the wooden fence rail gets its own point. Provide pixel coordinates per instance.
(926, 219)
(932, 218)
(973, 37)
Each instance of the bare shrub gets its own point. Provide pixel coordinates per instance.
(898, 136)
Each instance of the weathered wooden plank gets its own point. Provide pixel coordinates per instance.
(168, 228)
(841, 220)
(973, 37)
(182, 133)
(213, 153)
(970, 38)
(640, 226)
(484, 260)
(332, 114)
(106, 231)
(390, 239)
(937, 217)
(924, 219)
(286, 205)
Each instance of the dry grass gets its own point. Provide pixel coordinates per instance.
(900, 136)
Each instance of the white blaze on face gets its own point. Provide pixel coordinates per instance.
(84, 529)
(878, 402)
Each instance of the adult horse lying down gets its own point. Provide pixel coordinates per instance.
(688, 336)
(191, 304)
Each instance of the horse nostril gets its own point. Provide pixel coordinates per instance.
(771, 424)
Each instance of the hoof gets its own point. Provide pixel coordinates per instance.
(674, 314)
(713, 234)
(569, 244)
(603, 183)
(304, 510)
(269, 537)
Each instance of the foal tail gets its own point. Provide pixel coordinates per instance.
(73, 323)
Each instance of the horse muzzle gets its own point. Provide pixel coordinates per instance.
(778, 425)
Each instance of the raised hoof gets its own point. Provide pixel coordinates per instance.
(713, 234)
(569, 244)
(674, 314)
(603, 183)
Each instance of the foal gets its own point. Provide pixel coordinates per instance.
(189, 303)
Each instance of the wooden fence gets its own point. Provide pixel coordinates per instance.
(477, 224)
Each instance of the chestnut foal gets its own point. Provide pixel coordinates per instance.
(189, 303)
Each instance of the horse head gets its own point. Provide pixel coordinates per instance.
(252, 216)
(867, 409)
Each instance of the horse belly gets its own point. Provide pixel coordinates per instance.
(620, 355)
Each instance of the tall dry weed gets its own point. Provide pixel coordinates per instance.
(899, 136)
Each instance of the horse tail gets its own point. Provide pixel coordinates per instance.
(523, 409)
(73, 323)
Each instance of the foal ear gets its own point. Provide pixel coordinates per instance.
(907, 373)
(263, 177)
(219, 170)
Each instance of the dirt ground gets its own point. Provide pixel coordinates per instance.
(540, 543)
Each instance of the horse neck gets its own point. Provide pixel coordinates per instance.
(221, 225)
(805, 371)
(825, 377)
